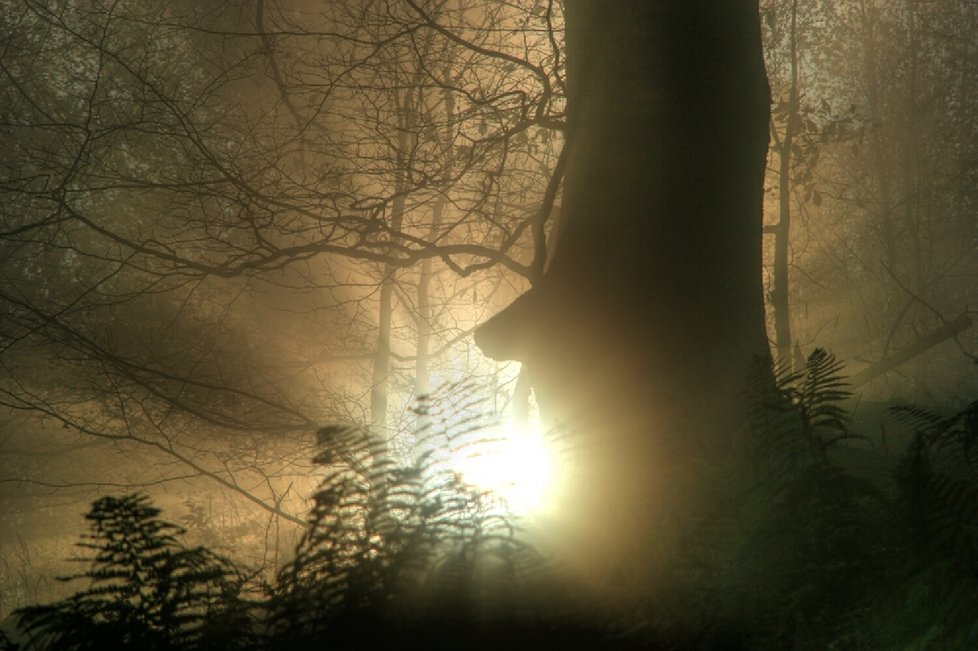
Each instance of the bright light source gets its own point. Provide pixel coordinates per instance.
(513, 463)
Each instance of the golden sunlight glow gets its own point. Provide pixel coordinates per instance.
(514, 463)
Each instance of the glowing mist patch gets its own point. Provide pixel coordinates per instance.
(513, 463)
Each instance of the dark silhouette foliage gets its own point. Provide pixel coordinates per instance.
(928, 541)
(402, 552)
(811, 535)
(806, 553)
(145, 591)
(399, 544)
(800, 552)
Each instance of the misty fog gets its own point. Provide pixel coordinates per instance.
(226, 226)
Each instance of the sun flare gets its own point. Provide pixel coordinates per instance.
(514, 463)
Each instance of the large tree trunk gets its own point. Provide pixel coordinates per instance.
(653, 301)
(656, 280)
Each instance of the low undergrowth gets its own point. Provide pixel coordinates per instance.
(798, 552)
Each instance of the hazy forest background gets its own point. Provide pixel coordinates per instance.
(224, 225)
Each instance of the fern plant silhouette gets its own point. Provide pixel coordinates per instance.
(145, 591)
(399, 542)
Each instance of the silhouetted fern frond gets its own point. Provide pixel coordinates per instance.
(145, 589)
(931, 548)
(801, 525)
(799, 416)
(396, 533)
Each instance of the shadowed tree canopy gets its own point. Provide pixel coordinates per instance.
(655, 284)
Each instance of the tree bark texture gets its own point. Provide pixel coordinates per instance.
(656, 279)
(641, 334)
